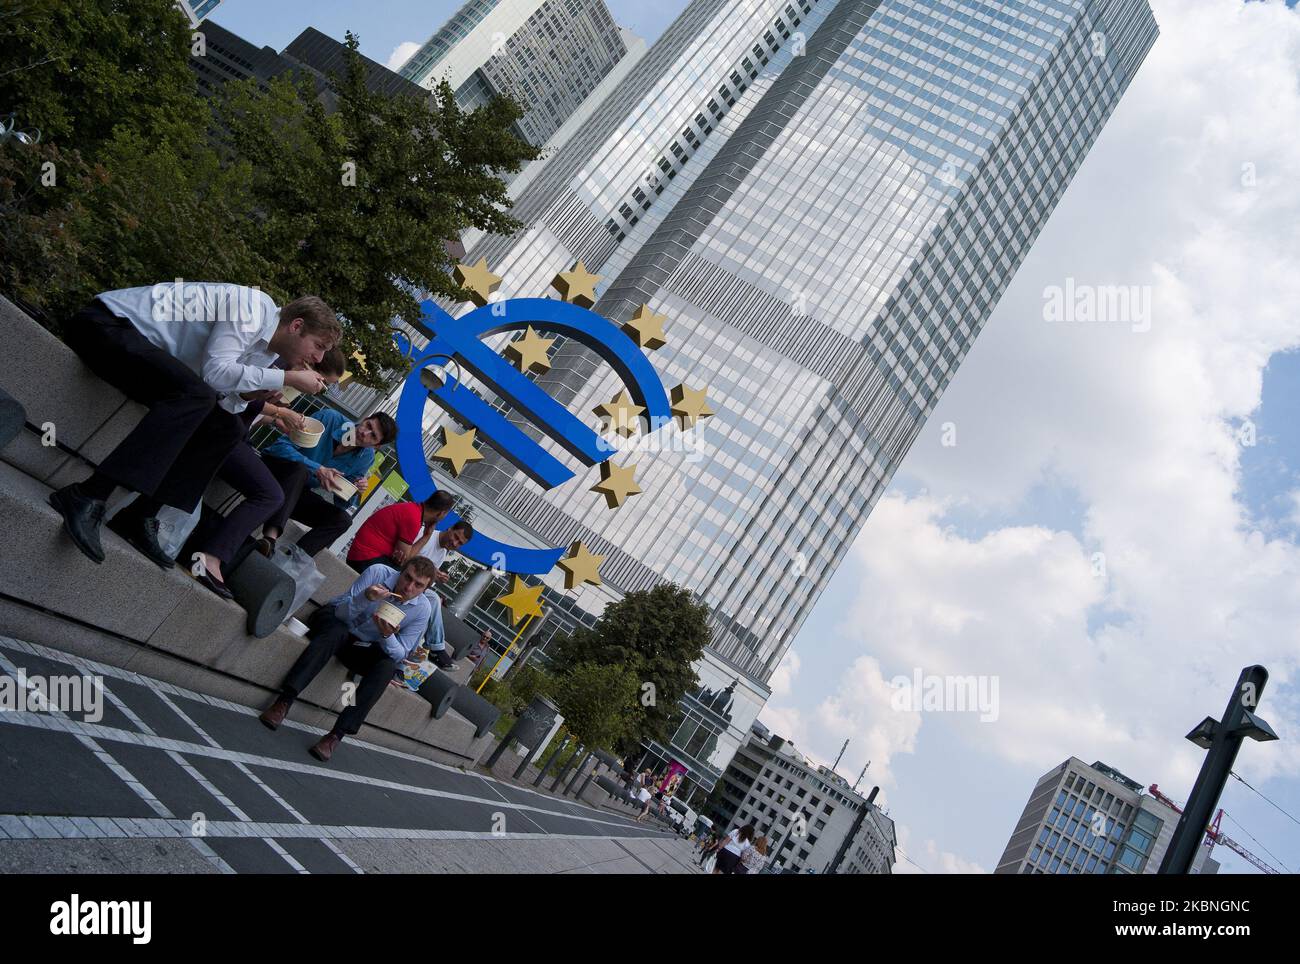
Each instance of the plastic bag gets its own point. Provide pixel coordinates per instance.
(301, 568)
(175, 526)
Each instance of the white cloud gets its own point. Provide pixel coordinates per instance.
(928, 857)
(401, 54)
(1140, 427)
(782, 680)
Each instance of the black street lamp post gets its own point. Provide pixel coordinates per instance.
(1221, 739)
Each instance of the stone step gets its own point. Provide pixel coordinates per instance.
(128, 596)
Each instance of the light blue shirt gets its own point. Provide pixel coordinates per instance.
(353, 465)
(355, 610)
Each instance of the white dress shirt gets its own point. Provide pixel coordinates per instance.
(223, 332)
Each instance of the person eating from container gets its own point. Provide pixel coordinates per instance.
(189, 352)
(339, 461)
(436, 546)
(246, 472)
(372, 628)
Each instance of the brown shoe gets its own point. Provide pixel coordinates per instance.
(274, 714)
(325, 748)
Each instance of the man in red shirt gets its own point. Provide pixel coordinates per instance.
(390, 534)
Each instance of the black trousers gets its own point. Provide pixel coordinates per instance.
(325, 520)
(249, 475)
(174, 451)
(328, 637)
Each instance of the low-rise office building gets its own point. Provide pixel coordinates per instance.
(808, 812)
(1083, 819)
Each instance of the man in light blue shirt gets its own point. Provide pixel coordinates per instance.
(353, 627)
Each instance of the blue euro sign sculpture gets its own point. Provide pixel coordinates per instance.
(461, 340)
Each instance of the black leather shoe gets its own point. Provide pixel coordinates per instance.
(143, 536)
(82, 518)
(208, 581)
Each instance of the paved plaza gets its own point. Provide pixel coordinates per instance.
(169, 780)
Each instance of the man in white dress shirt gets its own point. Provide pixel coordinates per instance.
(195, 353)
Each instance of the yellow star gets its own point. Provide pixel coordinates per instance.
(622, 413)
(522, 600)
(577, 285)
(580, 566)
(690, 405)
(531, 352)
(457, 449)
(360, 359)
(616, 483)
(479, 279)
(646, 328)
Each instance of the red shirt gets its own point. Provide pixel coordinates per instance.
(379, 534)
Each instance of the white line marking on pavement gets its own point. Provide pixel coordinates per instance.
(158, 686)
(112, 734)
(60, 721)
(203, 781)
(112, 828)
(258, 781)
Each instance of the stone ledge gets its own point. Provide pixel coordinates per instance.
(128, 596)
(53, 385)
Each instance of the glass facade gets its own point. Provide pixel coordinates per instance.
(826, 198)
(1083, 819)
(852, 188)
(548, 57)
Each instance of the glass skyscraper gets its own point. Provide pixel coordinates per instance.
(548, 55)
(826, 198)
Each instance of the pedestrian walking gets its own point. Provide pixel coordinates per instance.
(754, 857)
(733, 846)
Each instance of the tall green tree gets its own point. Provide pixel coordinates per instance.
(599, 702)
(125, 187)
(657, 635)
(357, 202)
(81, 71)
(354, 202)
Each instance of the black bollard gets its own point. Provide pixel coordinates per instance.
(551, 762)
(568, 787)
(559, 777)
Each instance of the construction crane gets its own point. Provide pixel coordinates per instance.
(1213, 835)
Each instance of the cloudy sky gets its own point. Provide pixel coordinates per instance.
(1114, 533)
